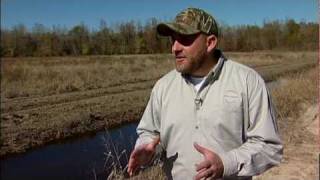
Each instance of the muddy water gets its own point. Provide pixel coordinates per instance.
(84, 158)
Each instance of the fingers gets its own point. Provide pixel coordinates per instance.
(131, 168)
(204, 173)
(212, 164)
(136, 159)
(203, 165)
(141, 155)
(132, 164)
(200, 149)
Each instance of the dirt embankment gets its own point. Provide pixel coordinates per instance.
(300, 160)
(32, 121)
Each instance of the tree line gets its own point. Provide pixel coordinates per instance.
(134, 38)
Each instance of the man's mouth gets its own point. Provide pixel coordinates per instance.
(180, 58)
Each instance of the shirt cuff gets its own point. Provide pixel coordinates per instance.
(230, 163)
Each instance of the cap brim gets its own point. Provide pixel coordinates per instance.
(166, 29)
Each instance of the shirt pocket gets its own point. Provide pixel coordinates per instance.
(225, 123)
(232, 102)
(231, 115)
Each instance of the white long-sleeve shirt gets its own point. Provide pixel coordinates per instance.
(231, 114)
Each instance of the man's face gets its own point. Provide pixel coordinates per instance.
(190, 52)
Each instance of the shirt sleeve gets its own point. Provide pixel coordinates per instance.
(149, 126)
(263, 147)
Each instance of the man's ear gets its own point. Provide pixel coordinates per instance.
(212, 42)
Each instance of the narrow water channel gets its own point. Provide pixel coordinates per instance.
(84, 158)
(81, 159)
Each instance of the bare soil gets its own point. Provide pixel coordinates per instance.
(35, 120)
(301, 152)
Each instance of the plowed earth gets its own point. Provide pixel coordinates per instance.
(33, 121)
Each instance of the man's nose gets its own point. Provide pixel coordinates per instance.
(176, 46)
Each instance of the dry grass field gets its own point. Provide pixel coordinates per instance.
(43, 100)
(298, 119)
(48, 99)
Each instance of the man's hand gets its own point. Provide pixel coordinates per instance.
(142, 155)
(211, 166)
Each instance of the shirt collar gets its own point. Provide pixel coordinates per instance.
(215, 71)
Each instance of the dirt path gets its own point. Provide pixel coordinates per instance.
(300, 154)
(28, 122)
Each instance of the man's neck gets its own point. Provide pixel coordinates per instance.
(205, 68)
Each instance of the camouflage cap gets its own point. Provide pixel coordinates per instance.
(190, 21)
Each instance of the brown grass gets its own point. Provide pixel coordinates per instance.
(25, 77)
(49, 99)
(151, 173)
(291, 99)
(264, 58)
(296, 102)
(45, 76)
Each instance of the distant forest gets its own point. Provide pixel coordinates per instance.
(134, 38)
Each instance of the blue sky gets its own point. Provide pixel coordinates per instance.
(72, 12)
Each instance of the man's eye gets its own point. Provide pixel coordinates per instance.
(185, 40)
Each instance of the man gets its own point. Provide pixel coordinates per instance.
(212, 117)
